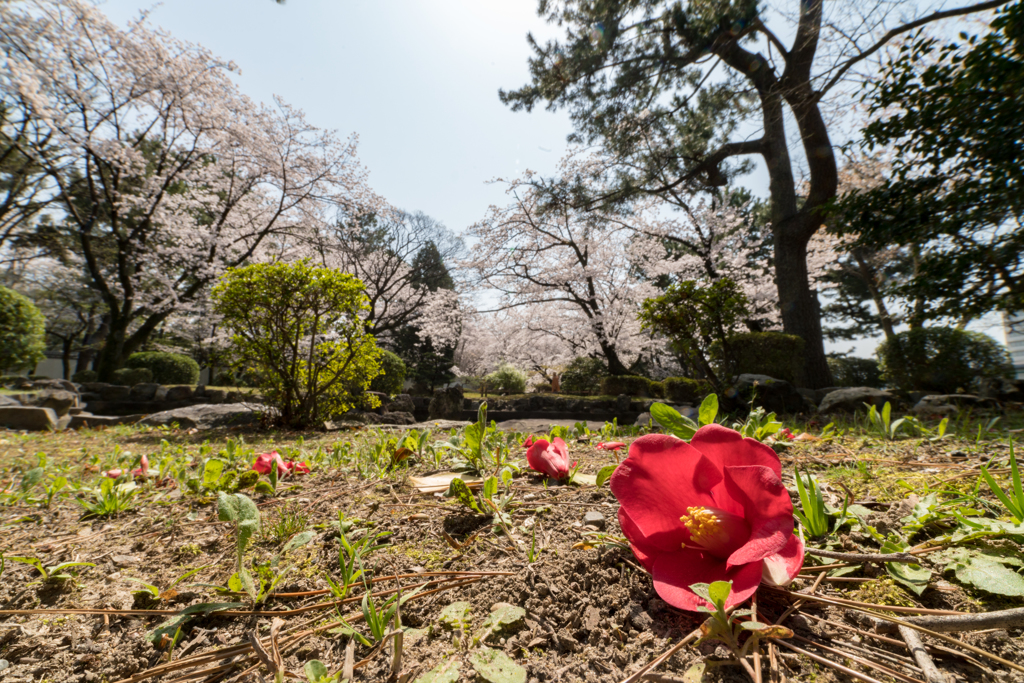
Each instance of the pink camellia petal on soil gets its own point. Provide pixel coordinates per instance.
(143, 469)
(113, 474)
(264, 460)
(551, 459)
(300, 468)
(528, 442)
(610, 445)
(781, 568)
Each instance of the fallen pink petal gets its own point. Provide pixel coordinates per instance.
(610, 445)
(551, 459)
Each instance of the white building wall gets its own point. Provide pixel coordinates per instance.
(1013, 326)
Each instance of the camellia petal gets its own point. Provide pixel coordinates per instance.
(728, 448)
(610, 445)
(675, 572)
(551, 459)
(781, 568)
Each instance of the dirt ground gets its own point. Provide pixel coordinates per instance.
(590, 612)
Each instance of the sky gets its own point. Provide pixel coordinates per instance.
(416, 80)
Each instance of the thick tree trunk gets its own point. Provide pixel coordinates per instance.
(801, 314)
(615, 366)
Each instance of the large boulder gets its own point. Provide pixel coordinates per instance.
(6, 400)
(402, 403)
(107, 392)
(59, 384)
(58, 400)
(852, 399)
(949, 404)
(1001, 389)
(82, 420)
(175, 393)
(29, 418)
(398, 417)
(144, 391)
(207, 416)
(774, 395)
(446, 404)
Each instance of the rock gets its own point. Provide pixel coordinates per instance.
(774, 395)
(1000, 389)
(446, 404)
(179, 393)
(820, 394)
(59, 384)
(58, 400)
(207, 416)
(643, 420)
(640, 619)
(959, 400)
(591, 618)
(144, 392)
(107, 392)
(398, 418)
(622, 402)
(6, 400)
(852, 399)
(216, 395)
(594, 519)
(28, 417)
(402, 403)
(83, 420)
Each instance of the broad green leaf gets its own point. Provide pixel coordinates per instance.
(298, 540)
(31, 478)
(708, 410)
(456, 615)
(754, 625)
(212, 472)
(695, 674)
(986, 573)
(474, 435)
(674, 423)
(458, 489)
(445, 672)
(264, 488)
(247, 582)
(495, 666)
(149, 587)
(490, 487)
(315, 671)
(502, 615)
(235, 583)
(170, 626)
(913, 576)
(719, 592)
(604, 474)
(702, 590)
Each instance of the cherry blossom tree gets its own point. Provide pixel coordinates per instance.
(575, 275)
(166, 175)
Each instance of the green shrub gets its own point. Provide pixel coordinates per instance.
(942, 359)
(22, 332)
(855, 372)
(129, 377)
(83, 376)
(167, 368)
(774, 354)
(298, 329)
(656, 389)
(392, 380)
(630, 385)
(686, 390)
(583, 376)
(507, 379)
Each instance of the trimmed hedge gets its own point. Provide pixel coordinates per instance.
(22, 332)
(166, 368)
(129, 377)
(855, 372)
(83, 376)
(686, 390)
(392, 380)
(583, 375)
(942, 359)
(630, 385)
(774, 354)
(507, 379)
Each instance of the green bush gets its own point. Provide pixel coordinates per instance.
(392, 380)
(167, 368)
(22, 332)
(855, 372)
(298, 329)
(686, 390)
(83, 376)
(774, 354)
(507, 379)
(942, 359)
(583, 376)
(630, 385)
(129, 377)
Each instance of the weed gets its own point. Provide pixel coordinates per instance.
(112, 498)
(289, 520)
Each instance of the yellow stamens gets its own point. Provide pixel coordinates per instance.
(703, 525)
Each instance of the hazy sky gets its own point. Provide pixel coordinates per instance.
(417, 80)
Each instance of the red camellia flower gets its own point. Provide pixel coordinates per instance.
(528, 442)
(551, 459)
(786, 433)
(264, 461)
(710, 510)
(141, 471)
(610, 445)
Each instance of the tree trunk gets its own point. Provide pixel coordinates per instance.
(65, 356)
(801, 314)
(615, 366)
(870, 278)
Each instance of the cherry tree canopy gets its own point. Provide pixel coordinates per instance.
(164, 172)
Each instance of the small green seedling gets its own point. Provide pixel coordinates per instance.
(55, 574)
(112, 498)
(1014, 502)
(316, 672)
(239, 508)
(168, 592)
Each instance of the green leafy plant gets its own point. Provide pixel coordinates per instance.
(163, 594)
(111, 498)
(682, 426)
(1014, 501)
(378, 617)
(218, 476)
(758, 425)
(53, 574)
(487, 501)
(167, 368)
(812, 514)
(300, 329)
(239, 508)
(507, 379)
(351, 554)
(881, 421)
(316, 672)
(22, 331)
